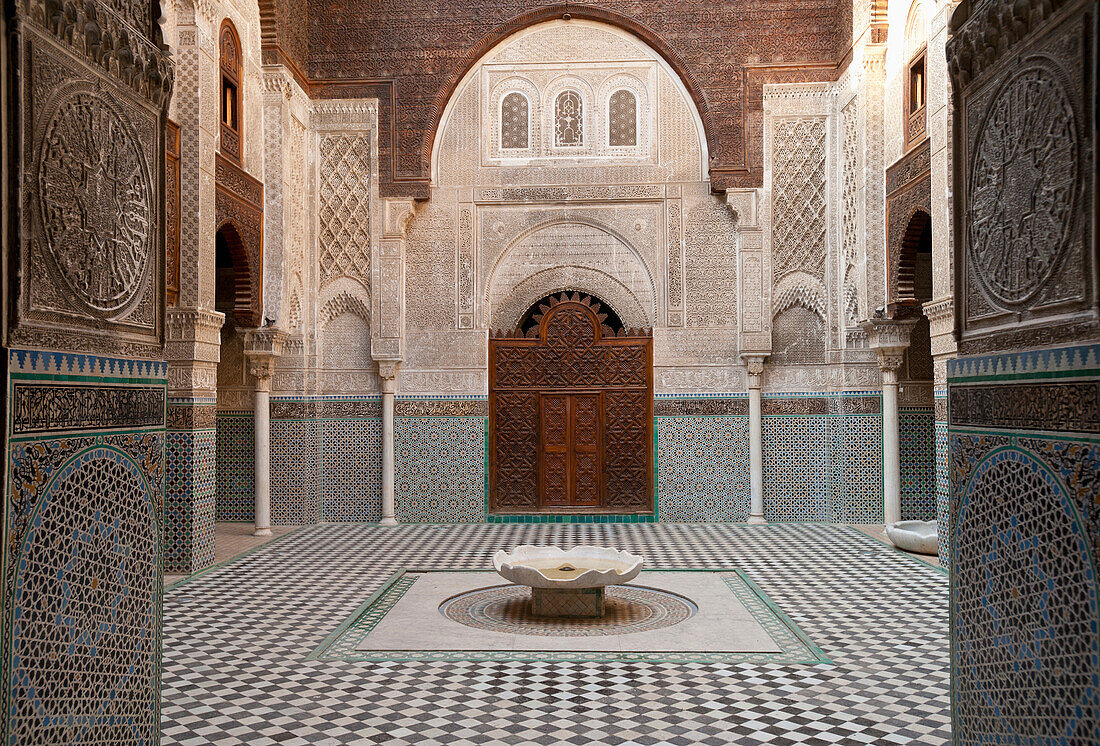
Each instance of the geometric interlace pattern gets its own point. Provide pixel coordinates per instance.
(237, 638)
(345, 207)
(798, 197)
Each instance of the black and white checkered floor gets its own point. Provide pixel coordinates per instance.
(236, 640)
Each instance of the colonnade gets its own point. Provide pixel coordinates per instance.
(887, 337)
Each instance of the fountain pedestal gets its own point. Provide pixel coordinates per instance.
(571, 603)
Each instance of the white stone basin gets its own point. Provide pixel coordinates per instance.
(914, 536)
(579, 567)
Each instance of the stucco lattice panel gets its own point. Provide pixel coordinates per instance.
(346, 343)
(795, 468)
(88, 588)
(798, 197)
(565, 43)
(351, 470)
(849, 236)
(234, 468)
(439, 465)
(710, 265)
(702, 468)
(681, 148)
(430, 263)
(344, 200)
(798, 337)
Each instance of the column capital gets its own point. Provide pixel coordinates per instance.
(192, 335)
(387, 371)
(261, 347)
(754, 367)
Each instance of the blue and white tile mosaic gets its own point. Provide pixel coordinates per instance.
(189, 505)
(235, 467)
(855, 468)
(351, 470)
(439, 469)
(295, 472)
(943, 495)
(702, 468)
(916, 443)
(796, 470)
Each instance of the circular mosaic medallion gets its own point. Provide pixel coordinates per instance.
(627, 608)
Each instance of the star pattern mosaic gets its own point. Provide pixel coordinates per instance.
(238, 640)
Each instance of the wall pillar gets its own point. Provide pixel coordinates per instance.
(192, 347)
(754, 365)
(890, 338)
(262, 346)
(387, 370)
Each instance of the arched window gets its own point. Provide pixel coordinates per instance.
(515, 117)
(916, 85)
(569, 120)
(229, 44)
(622, 119)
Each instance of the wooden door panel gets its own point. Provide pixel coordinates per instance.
(555, 450)
(571, 414)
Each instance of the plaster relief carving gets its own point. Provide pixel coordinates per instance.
(798, 197)
(344, 206)
(1026, 155)
(95, 198)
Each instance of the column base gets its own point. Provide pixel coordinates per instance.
(757, 520)
(262, 532)
(388, 522)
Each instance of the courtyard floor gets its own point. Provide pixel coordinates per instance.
(252, 646)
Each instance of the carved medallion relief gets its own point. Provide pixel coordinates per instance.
(1023, 183)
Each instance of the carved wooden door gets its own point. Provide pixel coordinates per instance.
(571, 415)
(570, 451)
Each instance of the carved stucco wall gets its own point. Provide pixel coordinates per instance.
(635, 226)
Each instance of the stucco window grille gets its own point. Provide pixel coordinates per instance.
(515, 117)
(569, 120)
(622, 120)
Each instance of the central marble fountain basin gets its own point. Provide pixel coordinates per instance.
(567, 583)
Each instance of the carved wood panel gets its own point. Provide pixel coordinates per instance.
(571, 415)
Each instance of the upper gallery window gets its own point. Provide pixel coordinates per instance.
(230, 48)
(569, 120)
(515, 117)
(622, 119)
(916, 84)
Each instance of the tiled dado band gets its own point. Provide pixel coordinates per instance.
(1024, 434)
(822, 459)
(85, 479)
(190, 458)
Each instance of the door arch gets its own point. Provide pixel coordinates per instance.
(571, 412)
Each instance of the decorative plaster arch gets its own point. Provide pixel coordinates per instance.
(507, 314)
(635, 302)
(536, 21)
(555, 14)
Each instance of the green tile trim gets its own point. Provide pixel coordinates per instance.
(797, 647)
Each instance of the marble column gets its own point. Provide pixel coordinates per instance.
(754, 366)
(261, 421)
(387, 371)
(262, 346)
(890, 338)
